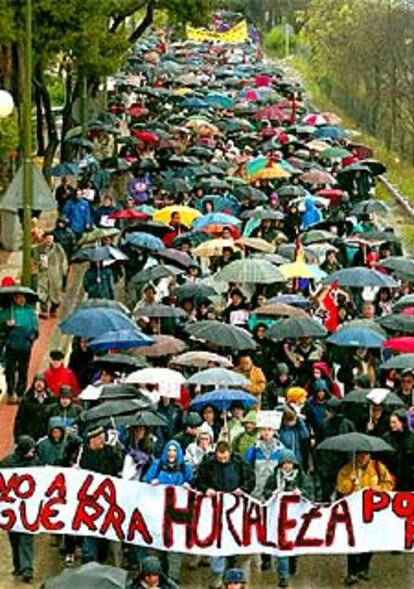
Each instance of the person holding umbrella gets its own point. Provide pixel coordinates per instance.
(363, 472)
(52, 267)
(22, 329)
(151, 576)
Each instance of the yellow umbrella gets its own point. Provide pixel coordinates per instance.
(296, 269)
(213, 247)
(187, 214)
(258, 244)
(318, 145)
(271, 173)
(182, 91)
(197, 122)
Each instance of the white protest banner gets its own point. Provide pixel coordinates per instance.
(271, 419)
(81, 503)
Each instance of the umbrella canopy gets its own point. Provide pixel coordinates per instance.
(194, 290)
(145, 241)
(370, 206)
(400, 344)
(215, 219)
(187, 214)
(175, 257)
(297, 270)
(64, 169)
(222, 335)
(404, 302)
(212, 248)
(98, 234)
(400, 265)
(218, 377)
(155, 376)
(355, 442)
(92, 322)
(142, 418)
(113, 391)
(201, 359)
(7, 293)
(398, 322)
(154, 273)
(250, 271)
(118, 407)
(89, 576)
(164, 345)
(257, 244)
(296, 327)
(360, 277)
(119, 362)
(120, 339)
(222, 400)
(317, 236)
(375, 396)
(355, 337)
(131, 214)
(279, 310)
(159, 311)
(400, 362)
(104, 304)
(99, 254)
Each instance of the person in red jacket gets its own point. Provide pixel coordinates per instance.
(57, 375)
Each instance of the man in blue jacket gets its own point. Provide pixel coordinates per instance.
(78, 213)
(22, 328)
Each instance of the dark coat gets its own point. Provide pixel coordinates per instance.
(108, 461)
(32, 417)
(227, 477)
(401, 462)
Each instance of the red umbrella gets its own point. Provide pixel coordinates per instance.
(146, 136)
(218, 230)
(117, 109)
(137, 110)
(334, 194)
(408, 311)
(271, 113)
(129, 214)
(400, 344)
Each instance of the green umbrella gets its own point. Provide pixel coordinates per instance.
(400, 362)
(317, 236)
(89, 576)
(159, 311)
(404, 302)
(296, 327)
(176, 186)
(355, 442)
(222, 335)
(98, 234)
(370, 206)
(153, 273)
(364, 324)
(196, 290)
(361, 397)
(398, 322)
(250, 271)
(335, 153)
(400, 265)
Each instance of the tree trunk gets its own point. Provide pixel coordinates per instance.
(39, 122)
(145, 23)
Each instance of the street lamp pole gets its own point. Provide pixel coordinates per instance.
(27, 145)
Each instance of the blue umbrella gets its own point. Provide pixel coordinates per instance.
(145, 241)
(222, 399)
(356, 337)
(65, 169)
(329, 132)
(122, 339)
(291, 299)
(360, 277)
(220, 203)
(219, 100)
(215, 219)
(194, 103)
(94, 322)
(99, 254)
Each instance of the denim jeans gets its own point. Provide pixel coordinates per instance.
(283, 567)
(22, 552)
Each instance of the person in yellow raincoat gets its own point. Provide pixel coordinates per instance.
(362, 473)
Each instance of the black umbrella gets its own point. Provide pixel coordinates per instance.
(360, 397)
(89, 576)
(175, 257)
(196, 290)
(355, 442)
(296, 327)
(398, 322)
(8, 292)
(153, 273)
(159, 311)
(222, 335)
(119, 407)
(144, 418)
(120, 362)
(116, 392)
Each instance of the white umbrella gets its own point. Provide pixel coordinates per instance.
(168, 381)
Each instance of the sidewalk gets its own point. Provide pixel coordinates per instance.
(50, 337)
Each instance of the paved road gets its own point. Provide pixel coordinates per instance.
(320, 572)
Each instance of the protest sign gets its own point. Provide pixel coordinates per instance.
(237, 34)
(81, 503)
(271, 419)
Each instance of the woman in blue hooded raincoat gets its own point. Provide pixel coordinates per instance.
(312, 214)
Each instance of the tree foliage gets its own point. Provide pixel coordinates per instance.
(365, 60)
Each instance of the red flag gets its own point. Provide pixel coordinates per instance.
(331, 308)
